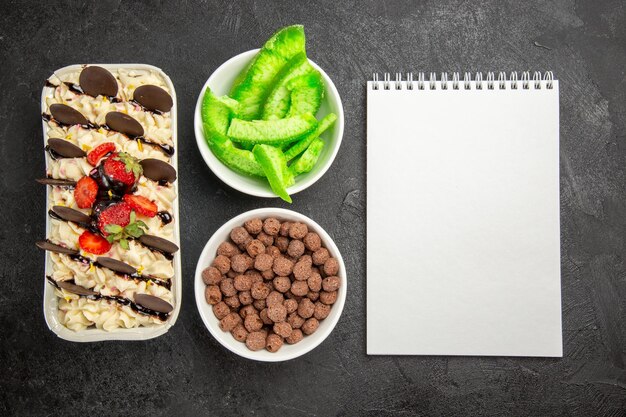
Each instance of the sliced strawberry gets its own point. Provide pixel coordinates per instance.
(115, 214)
(141, 204)
(92, 243)
(85, 192)
(99, 151)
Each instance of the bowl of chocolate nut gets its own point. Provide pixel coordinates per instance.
(270, 285)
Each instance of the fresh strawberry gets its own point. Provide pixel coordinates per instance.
(85, 192)
(141, 204)
(118, 214)
(99, 151)
(92, 243)
(123, 168)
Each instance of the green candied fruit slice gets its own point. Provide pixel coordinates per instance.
(272, 132)
(274, 165)
(307, 92)
(277, 103)
(217, 111)
(252, 89)
(308, 159)
(301, 145)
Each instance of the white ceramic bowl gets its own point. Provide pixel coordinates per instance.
(220, 83)
(225, 338)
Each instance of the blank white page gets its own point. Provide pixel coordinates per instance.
(463, 254)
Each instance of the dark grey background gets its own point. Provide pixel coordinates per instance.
(186, 372)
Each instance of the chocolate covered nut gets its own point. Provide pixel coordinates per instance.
(228, 287)
(256, 340)
(253, 226)
(295, 336)
(273, 251)
(259, 291)
(271, 226)
(312, 241)
(277, 313)
(331, 283)
(245, 310)
(313, 295)
(306, 308)
(320, 256)
(282, 243)
(264, 317)
(315, 282)
(298, 230)
(153, 98)
(291, 305)
(274, 297)
(242, 283)
(240, 262)
(295, 321)
(211, 276)
(282, 284)
(266, 239)
(282, 329)
(227, 249)
(245, 298)
(310, 326)
(222, 263)
(255, 247)
(253, 322)
(284, 229)
(299, 288)
(259, 304)
(233, 301)
(263, 262)
(282, 266)
(221, 310)
(302, 269)
(273, 343)
(321, 310)
(328, 297)
(295, 248)
(96, 81)
(230, 321)
(239, 235)
(212, 294)
(331, 267)
(239, 333)
(268, 275)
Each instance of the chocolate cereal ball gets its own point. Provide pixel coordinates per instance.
(306, 308)
(282, 284)
(259, 304)
(245, 298)
(240, 236)
(273, 343)
(295, 248)
(331, 267)
(227, 249)
(277, 313)
(282, 329)
(253, 322)
(298, 230)
(331, 283)
(295, 321)
(239, 333)
(320, 256)
(302, 269)
(229, 322)
(312, 241)
(282, 243)
(245, 310)
(222, 263)
(211, 276)
(242, 282)
(266, 239)
(299, 288)
(315, 281)
(264, 317)
(212, 294)
(253, 226)
(271, 226)
(273, 251)
(221, 310)
(328, 298)
(263, 262)
(295, 336)
(310, 326)
(282, 266)
(228, 287)
(274, 297)
(255, 247)
(284, 229)
(290, 305)
(233, 302)
(313, 295)
(256, 340)
(321, 310)
(255, 276)
(259, 291)
(240, 262)
(268, 275)
(231, 274)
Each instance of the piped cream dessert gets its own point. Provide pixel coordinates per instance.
(111, 240)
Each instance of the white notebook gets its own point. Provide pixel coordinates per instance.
(463, 254)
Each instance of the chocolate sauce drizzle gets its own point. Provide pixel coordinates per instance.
(165, 216)
(120, 300)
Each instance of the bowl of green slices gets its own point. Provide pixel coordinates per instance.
(269, 121)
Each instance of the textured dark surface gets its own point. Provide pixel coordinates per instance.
(186, 372)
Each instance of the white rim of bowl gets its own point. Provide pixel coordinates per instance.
(211, 159)
(222, 337)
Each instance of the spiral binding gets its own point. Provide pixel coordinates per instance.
(525, 82)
